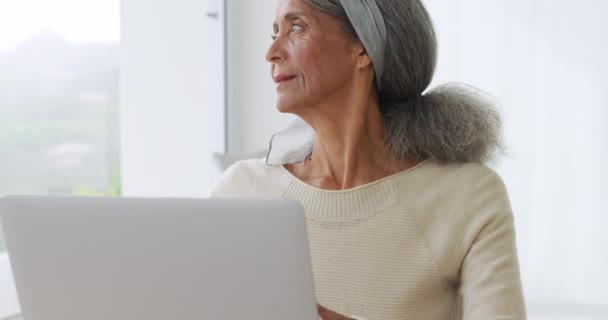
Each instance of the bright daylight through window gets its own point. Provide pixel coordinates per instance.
(59, 98)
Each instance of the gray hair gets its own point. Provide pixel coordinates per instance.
(449, 124)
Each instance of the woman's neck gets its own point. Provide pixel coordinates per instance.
(349, 149)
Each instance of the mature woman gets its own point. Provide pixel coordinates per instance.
(404, 219)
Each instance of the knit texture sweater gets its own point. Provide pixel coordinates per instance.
(432, 242)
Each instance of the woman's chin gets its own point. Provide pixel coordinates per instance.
(286, 106)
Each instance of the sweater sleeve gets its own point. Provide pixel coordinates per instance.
(490, 280)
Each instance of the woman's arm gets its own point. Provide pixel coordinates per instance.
(490, 278)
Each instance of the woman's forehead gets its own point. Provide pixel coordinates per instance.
(292, 9)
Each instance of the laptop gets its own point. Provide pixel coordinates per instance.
(153, 259)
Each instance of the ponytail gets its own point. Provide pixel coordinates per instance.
(452, 123)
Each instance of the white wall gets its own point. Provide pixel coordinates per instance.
(252, 115)
(166, 149)
(164, 93)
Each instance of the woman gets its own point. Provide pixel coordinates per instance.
(404, 220)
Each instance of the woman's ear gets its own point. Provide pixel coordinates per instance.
(363, 59)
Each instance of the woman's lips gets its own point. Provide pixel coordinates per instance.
(282, 79)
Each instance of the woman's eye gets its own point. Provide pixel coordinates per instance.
(294, 28)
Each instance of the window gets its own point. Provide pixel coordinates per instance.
(58, 104)
(59, 98)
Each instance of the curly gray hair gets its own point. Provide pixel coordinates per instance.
(449, 124)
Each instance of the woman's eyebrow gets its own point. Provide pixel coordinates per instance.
(289, 16)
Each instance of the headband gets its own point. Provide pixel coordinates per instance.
(368, 22)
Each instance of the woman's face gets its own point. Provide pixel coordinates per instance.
(312, 58)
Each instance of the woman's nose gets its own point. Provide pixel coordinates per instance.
(275, 53)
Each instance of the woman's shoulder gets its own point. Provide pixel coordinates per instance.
(248, 166)
(456, 176)
(451, 204)
(458, 193)
(249, 178)
(238, 179)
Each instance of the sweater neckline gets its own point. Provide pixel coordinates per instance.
(344, 205)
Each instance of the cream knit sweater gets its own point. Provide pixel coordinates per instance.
(432, 242)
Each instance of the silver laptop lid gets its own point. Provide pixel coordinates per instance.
(153, 259)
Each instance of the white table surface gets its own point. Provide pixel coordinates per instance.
(9, 304)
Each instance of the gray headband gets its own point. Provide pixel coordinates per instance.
(368, 22)
(294, 144)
